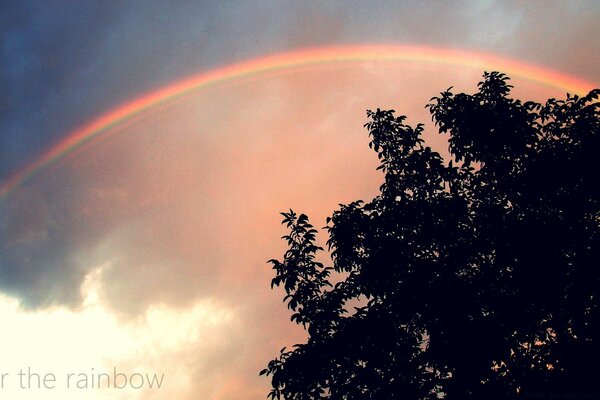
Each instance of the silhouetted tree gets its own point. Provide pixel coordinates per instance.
(476, 278)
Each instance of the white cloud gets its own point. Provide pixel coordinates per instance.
(163, 342)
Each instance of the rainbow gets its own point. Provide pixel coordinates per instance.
(290, 60)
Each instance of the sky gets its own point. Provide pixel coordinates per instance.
(144, 249)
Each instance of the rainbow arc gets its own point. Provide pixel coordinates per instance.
(290, 60)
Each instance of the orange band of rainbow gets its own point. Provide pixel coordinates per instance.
(379, 53)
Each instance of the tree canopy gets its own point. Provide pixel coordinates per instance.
(472, 277)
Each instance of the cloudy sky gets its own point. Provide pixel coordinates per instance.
(144, 248)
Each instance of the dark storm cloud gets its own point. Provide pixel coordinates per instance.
(36, 250)
(63, 62)
(44, 52)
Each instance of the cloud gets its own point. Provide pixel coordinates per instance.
(76, 345)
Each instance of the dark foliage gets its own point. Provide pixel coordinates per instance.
(476, 278)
